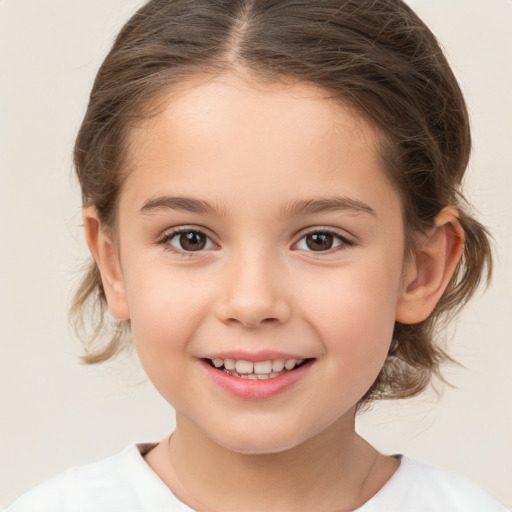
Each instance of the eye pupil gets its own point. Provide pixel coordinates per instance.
(192, 241)
(319, 241)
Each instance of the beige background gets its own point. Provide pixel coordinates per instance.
(55, 412)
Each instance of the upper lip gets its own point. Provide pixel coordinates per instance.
(262, 355)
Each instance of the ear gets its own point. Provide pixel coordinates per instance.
(106, 255)
(431, 268)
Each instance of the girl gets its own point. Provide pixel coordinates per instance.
(272, 199)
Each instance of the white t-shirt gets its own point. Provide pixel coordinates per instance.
(126, 483)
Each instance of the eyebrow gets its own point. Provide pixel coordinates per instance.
(320, 205)
(187, 204)
(294, 209)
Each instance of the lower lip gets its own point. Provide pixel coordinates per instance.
(252, 389)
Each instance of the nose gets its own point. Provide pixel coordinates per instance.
(254, 293)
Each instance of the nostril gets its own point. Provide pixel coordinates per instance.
(252, 324)
(252, 309)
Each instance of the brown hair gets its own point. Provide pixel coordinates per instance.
(375, 55)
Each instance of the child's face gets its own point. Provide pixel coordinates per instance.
(294, 251)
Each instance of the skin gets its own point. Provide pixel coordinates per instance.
(250, 151)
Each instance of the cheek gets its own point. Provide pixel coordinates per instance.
(354, 315)
(165, 313)
(165, 309)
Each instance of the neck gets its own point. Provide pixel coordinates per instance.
(332, 471)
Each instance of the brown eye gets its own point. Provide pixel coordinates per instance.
(188, 241)
(192, 241)
(320, 241)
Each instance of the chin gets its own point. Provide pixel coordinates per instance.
(259, 446)
(259, 440)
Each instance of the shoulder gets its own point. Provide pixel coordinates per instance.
(418, 487)
(121, 482)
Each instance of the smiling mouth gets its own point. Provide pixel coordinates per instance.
(260, 370)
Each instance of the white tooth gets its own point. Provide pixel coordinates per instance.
(263, 367)
(244, 366)
(263, 376)
(218, 363)
(290, 364)
(229, 364)
(252, 376)
(243, 376)
(273, 375)
(278, 365)
(299, 361)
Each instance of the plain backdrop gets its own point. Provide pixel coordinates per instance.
(55, 412)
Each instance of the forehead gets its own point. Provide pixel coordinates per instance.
(248, 140)
(236, 107)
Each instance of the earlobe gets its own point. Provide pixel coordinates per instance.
(104, 251)
(431, 268)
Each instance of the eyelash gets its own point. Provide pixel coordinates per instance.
(344, 242)
(166, 239)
